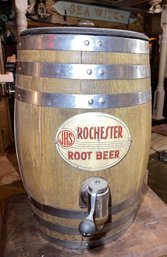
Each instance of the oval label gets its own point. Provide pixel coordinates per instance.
(93, 141)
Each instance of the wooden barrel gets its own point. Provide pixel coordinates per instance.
(83, 109)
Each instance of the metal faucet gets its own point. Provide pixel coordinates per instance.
(94, 194)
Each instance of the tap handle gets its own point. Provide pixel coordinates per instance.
(87, 226)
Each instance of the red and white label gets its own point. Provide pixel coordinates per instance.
(93, 141)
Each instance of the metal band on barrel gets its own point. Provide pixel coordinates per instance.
(83, 43)
(86, 101)
(83, 71)
(74, 230)
(72, 214)
(86, 244)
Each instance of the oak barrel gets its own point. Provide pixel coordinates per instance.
(83, 109)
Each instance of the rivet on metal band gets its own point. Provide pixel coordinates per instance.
(83, 43)
(83, 71)
(84, 101)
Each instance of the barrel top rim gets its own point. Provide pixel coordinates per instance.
(85, 31)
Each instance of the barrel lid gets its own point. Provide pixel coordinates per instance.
(85, 31)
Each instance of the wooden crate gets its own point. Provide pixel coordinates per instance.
(146, 237)
(6, 136)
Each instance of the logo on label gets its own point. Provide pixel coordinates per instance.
(66, 138)
(93, 141)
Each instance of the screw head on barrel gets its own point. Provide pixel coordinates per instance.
(90, 101)
(89, 71)
(86, 42)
